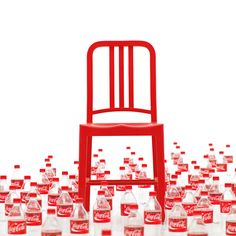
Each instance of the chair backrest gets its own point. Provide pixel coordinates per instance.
(121, 45)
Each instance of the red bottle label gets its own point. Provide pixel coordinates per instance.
(18, 183)
(230, 228)
(207, 215)
(100, 216)
(169, 203)
(79, 226)
(229, 159)
(221, 167)
(100, 176)
(189, 208)
(23, 196)
(16, 227)
(51, 233)
(3, 196)
(120, 187)
(125, 208)
(111, 190)
(110, 202)
(194, 182)
(33, 218)
(204, 171)
(152, 217)
(177, 225)
(64, 210)
(225, 206)
(52, 199)
(43, 188)
(183, 167)
(8, 208)
(215, 198)
(134, 231)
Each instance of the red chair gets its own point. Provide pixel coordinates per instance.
(87, 131)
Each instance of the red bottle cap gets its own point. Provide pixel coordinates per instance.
(228, 145)
(100, 150)
(221, 152)
(212, 149)
(64, 172)
(216, 178)
(128, 187)
(17, 166)
(177, 199)
(27, 177)
(228, 185)
(122, 168)
(16, 200)
(34, 195)
(144, 165)
(201, 181)
(71, 176)
(95, 155)
(55, 179)
(46, 160)
(76, 162)
(140, 158)
(50, 156)
(12, 187)
(51, 211)
(42, 170)
(182, 153)
(64, 188)
(101, 192)
(48, 165)
(107, 172)
(175, 143)
(133, 153)
(172, 182)
(102, 161)
(204, 193)
(106, 232)
(188, 187)
(128, 147)
(174, 176)
(3, 177)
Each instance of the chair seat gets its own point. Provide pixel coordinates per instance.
(121, 128)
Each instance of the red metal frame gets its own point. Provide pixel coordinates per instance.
(87, 131)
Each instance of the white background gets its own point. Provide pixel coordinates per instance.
(43, 47)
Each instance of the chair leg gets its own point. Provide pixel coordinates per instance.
(82, 171)
(88, 171)
(159, 162)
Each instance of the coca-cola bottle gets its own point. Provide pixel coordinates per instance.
(33, 213)
(17, 177)
(43, 183)
(201, 187)
(212, 157)
(128, 170)
(171, 194)
(100, 174)
(191, 169)
(176, 155)
(152, 215)
(221, 165)
(123, 176)
(64, 203)
(10, 198)
(107, 194)
(214, 197)
(79, 221)
(177, 221)
(16, 219)
(73, 188)
(182, 164)
(228, 156)
(134, 223)
(51, 159)
(231, 220)
(189, 202)
(106, 232)
(51, 226)
(34, 189)
(26, 188)
(204, 208)
(49, 172)
(127, 200)
(95, 164)
(101, 213)
(226, 200)
(195, 177)
(64, 179)
(54, 192)
(197, 227)
(4, 189)
(111, 188)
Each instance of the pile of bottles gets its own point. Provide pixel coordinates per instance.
(199, 201)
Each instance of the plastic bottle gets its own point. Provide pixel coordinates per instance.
(128, 170)
(195, 177)
(123, 176)
(26, 188)
(204, 208)
(177, 221)
(17, 177)
(64, 179)
(64, 203)
(33, 213)
(134, 223)
(79, 221)
(197, 227)
(95, 164)
(101, 213)
(212, 157)
(191, 169)
(214, 197)
(49, 172)
(230, 224)
(201, 187)
(54, 192)
(152, 215)
(228, 156)
(4, 189)
(189, 202)
(73, 188)
(43, 183)
(10, 198)
(16, 219)
(107, 194)
(51, 226)
(171, 194)
(34, 189)
(128, 199)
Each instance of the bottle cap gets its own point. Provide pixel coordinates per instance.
(212, 149)
(204, 193)
(188, 187)
(122, 168)
(216, 178)
(48, 165)
(55, 179)
(16, 200)
(50, 156)
(106, 232)
(107, 172)
(140, 159)
(193, 162)
(228, 185)
(95, 155)
(76, 162)
(144, 165)
(71, 176)
(64, 188)
(64, 172)
(42, 170)
(33, 195)
(51, 211)
(133, 153)
(128, 187)
(17, 166)
(128, 147)
(100, 150)
(102, 161)
(12, 187)
(221, 152)
(27, 177)
(33, 184)
(3, 177)
(228, 145)
(182, 152)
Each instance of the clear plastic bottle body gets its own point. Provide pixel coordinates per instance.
(197, 227)
(54, 192)
(230, 224)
